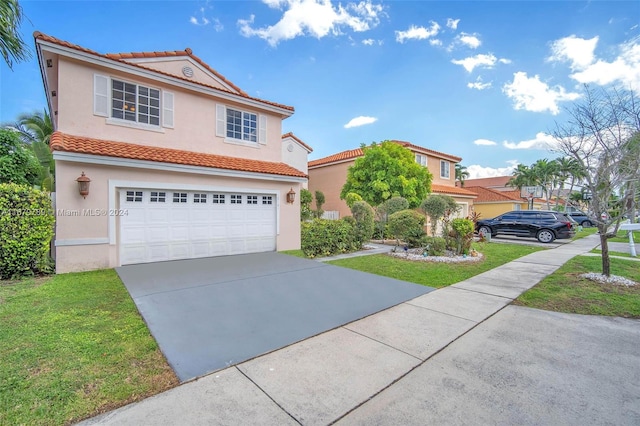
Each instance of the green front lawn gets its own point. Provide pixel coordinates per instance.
(437, 274)
(72, 346)
(585, 232)
(565, 291)
(622, 237)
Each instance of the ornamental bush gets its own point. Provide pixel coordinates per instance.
(323, 237)
(26, 229)
(408, 226)
(462, 233)
(364, 227)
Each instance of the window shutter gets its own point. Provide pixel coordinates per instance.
(167, 109)
(220, 120)
(100, 95)
(262, 129)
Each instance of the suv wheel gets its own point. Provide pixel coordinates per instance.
(545, 236)
(484, 230)
(586, 223)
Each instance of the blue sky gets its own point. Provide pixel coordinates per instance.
(485, 81)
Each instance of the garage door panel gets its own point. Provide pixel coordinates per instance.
(157, 231)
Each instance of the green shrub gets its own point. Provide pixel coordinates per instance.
(462, 230)
(436, 207)
(305, 204)
(382, 213)
(322, 237)
(435, 246)
(26, 221)
(352, 198)
(407, 225)
(364, 224)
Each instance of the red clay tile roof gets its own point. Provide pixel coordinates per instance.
(291, 135)
(488, 195)
(78, 144)
(176, 53)
(451, 190)
(358, 152)
(427, 150)
(114, 57)
(490, 182)
(335, 158)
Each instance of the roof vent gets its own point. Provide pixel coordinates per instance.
(187, 71)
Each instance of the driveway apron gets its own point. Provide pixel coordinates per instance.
(207, 314)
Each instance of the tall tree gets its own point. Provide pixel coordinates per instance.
(568, 169)
(461, 174)
(522, 176)
(599, 135)
(35, 131)
(385, 170)
(12, 47)
(545, 172)
(18, 164)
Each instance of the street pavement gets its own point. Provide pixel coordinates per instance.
(458, 355)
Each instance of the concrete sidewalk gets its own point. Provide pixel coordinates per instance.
(452, 356)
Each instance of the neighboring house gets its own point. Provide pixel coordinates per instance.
(499, 183)
(295, 153)
(492, 202)
(329, 175)
(182, 162)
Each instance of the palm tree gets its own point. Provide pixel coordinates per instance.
(522, 176)
(569, 168)
(461, 174)
(35, 131)
(12, 46)
(545, 172)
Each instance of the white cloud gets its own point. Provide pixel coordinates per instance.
(360, 121)
(478, 84)
(371, 42)
(504, 61)
(435, 42)
(541, 141)
(317, 18)
(452, 23)
(480, 60)
(200, 22)
(576, 50)
(469, 40)
(418, 33)
(531, 94)
(484, 142)
(477, 171)
(624, 69)
(217, 25)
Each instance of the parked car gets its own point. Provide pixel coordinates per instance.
(545, 225)
(582, 218)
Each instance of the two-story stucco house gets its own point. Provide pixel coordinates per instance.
(329, 175)
(182, 163)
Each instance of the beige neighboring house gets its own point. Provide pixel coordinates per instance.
(494, 202)
(182, 163)
(329, 175)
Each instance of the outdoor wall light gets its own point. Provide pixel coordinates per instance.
(291, 196)
(83, 185)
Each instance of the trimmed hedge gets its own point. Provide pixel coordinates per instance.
(363, 214)
(408, 226)
(323, 237)
(26, 229)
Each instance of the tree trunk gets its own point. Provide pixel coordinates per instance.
(604, 246)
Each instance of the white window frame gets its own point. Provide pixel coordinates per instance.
(421, 159)
(447, 174)
(222, 112)
(103, 104)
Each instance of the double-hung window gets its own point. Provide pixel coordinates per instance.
(239, 126)
(242, 125)
(421, 159)
(133, 102)
(445, 166)
(130, 104)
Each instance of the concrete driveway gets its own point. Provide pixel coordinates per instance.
(208, 314)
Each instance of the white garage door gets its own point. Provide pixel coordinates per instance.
(168, 224)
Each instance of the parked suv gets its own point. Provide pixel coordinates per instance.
(544, 225)
(582, 218)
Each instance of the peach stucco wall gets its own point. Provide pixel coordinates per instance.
(433, 164)
(297, 157)
(194, 117)
(330, 180)
(79, 230)
(175, 67)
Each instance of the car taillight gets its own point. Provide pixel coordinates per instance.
(569, 224)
